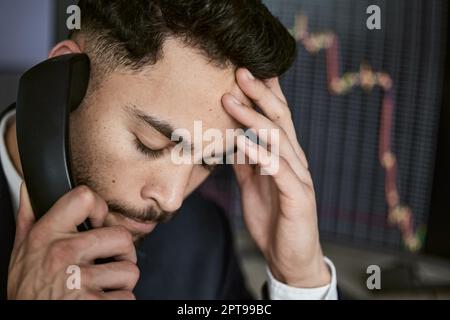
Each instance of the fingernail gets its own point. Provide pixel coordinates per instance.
(235, 100)
(250, 75)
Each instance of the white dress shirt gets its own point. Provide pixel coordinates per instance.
(277, 290)
(12, 177)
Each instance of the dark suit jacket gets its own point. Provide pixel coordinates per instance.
(191, 257)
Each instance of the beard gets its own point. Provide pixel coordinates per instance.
(146, 215)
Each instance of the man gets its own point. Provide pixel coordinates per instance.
(158, 66)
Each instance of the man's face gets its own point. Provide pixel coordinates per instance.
(121, 135)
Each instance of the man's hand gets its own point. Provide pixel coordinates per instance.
(44, 250)
(280, 208)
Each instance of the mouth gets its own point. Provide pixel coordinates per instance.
(134, 225)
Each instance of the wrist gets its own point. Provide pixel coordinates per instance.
(315, 274)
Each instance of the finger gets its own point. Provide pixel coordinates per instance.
(272, 106)
(269, 97)
(243, 172)
(25, 216)
(74, 208)
(102, 243)
(274, 85)
(285, 179)
(121, 275)
(273, 135)
(119, 295)
(247, 116)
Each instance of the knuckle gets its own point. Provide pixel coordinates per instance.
(79, 242)
(134, 274)
(59, 254)
(87, 239)
(37, 235)
(283, 112)
(61, 249)
(132, 271)
(85, 196)
(124, 235)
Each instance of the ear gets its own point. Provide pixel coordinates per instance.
(64, 47)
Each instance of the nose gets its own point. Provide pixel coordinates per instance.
(167, 188)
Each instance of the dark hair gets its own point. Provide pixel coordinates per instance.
(131, 33)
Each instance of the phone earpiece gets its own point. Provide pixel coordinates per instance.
(47, 94)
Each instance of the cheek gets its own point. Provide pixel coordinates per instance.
(108, 155)
(116, 159)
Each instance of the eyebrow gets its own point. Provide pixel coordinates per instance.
(164, 127)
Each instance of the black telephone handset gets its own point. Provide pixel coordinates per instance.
(47, 94)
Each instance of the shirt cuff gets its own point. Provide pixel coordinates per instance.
(281, 291)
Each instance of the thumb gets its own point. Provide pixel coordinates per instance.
(25, 216)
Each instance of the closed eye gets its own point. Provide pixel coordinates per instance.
(150, 153)
(156, 154)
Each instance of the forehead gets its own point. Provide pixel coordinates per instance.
(181, 88)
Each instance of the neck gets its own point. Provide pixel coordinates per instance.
(12, 147)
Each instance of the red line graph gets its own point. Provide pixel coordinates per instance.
(399, 214)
